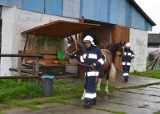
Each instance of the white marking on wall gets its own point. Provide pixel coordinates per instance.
(139, 39)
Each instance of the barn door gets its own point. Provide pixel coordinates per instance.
(120, 34)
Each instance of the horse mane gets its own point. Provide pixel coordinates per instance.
(81, 47)
(113, 48)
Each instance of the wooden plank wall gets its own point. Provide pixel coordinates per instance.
(120, 34)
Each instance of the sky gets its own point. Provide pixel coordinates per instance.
(152, 9)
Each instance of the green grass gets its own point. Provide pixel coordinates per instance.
(29, 94)
(10, 89)
(148, 73)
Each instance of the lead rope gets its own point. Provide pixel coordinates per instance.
(73, 51)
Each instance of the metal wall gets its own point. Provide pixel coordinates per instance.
(71, 8)
(17, 3)
(54, 7)
(120, 12)
(33, 5)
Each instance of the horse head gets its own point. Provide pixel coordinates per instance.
(74, 48)
(121, 48)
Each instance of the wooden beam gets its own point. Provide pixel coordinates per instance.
(29, 71)
(21, 55)
(17, 77)
(25, 46)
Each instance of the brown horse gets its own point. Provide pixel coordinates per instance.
(113, 48)
(107, 68)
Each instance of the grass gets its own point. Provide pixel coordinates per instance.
(10, 89)
(29, 94)
(148, 73)
(144, 106)
(157, 112)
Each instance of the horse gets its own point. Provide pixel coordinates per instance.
(113, 48)
(108, 68)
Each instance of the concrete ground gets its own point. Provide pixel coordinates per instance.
(144, 100)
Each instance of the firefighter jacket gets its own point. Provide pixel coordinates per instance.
(127, 56)
(92, 55)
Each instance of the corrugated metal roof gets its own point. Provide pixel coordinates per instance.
(60, 29)
(153, 38)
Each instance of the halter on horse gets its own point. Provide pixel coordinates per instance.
(113, 48)
(107, 68)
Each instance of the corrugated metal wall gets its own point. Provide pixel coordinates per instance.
(17, 3)
(54, 7)
(71, 8)
(114, 12)
(128, 18)
(119, 12)
(122, 12)
(33, 5)
(88, 9)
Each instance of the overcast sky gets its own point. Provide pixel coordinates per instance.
(152, 9)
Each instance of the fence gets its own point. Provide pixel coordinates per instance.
(19, 69)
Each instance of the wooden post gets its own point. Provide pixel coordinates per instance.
(81, 35)
(19, 65)
(37, 69)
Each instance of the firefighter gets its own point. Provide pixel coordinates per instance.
(92, 58)
(128, 55)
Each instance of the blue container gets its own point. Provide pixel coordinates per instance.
(47, 83)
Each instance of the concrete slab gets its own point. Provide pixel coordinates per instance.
(125, 108)
(18, 110)
(119, 102)
(136, 96)
(150, 89)
(135, 103)
(144, 92)
(133, 81)
(67, 109)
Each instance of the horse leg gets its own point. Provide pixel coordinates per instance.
(99, 84)
(107, 79)
(106, 89)
(82, 98)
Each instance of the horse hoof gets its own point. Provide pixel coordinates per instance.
(82, 99)
(98, 89)
(107, 92)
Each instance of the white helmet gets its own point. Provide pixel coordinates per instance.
(128, 45)
(89, 38)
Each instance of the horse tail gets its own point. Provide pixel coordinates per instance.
(112, 73)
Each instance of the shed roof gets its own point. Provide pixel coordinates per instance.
(154, 38)
(60, 28)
